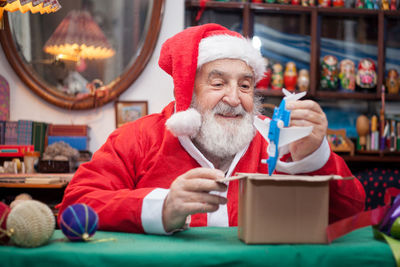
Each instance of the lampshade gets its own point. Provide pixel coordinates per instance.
(42, 6)
(78, 36)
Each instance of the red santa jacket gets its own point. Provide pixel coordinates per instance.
(143, 155)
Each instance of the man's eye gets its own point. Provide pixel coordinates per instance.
(245, 86)
(217, 84)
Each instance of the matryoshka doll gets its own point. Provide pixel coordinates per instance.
(305, 3)
(290, 76)
(366, 74)
(385, 5)
(311, 2)
(277, 77)
(393, 4)
(303, 81)
(295, 2)
(337, 3)
(324, 3)
(347, 75)
(329, 73)
(393, 82)
(359, 4)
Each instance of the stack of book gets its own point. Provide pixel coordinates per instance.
(23, 133)
(74, 135)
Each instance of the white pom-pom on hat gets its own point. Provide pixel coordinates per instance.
(184, 123)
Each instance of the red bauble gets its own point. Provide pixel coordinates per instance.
(4, 211)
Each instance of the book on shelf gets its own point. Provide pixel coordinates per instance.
(39, 135)
(67, 130)
(24, 132)
(11, 133)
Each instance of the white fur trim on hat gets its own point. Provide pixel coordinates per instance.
(184, 123)
(233, 47)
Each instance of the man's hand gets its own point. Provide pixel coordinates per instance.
(189, 194)
(307, 113)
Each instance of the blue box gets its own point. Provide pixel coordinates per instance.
(77, 142)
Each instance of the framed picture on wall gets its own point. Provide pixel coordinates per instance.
(126, 111)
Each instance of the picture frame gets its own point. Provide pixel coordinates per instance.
(127, 111)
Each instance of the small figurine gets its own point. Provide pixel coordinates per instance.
(270, 1)
(347, 75)
(393, 82)
(329, 73)
(337, 3)
(286, 2)
(311, 2)
(359, 4)
(290, 76)
(349, 3)
(393, 4)
(362, 127)
(277, 77)
(385, 5)
(295, 2)
(303, 81)
(376, 4)
(366, 74)
(324, 3)
(368, 4)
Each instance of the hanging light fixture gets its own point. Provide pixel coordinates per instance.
(78, 37)
(35, 6)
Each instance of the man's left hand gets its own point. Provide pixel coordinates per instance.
(307, 113)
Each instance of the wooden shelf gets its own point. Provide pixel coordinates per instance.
(313, 19)
(24, 185)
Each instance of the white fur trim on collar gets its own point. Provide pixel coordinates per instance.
(184, 123)
(228, 46)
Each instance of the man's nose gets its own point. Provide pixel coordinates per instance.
(231, 96)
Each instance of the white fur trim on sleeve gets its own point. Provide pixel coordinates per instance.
(184, 123)
(312, 162)
(152, 211)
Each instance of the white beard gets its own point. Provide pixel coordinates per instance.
(225, 139)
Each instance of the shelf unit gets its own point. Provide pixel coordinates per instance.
(246, 12)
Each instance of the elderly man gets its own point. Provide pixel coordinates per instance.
(158, 174)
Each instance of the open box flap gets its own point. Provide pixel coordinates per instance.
(284, 177)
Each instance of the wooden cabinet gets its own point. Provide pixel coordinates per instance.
(305, 35)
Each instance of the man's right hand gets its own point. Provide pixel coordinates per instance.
(190, 194)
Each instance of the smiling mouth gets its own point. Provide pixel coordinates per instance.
(229, 116)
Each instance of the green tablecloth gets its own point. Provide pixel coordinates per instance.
(198, 246)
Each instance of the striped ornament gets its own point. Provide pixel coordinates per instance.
(79, 222)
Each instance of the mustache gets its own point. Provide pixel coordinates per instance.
(225, 109)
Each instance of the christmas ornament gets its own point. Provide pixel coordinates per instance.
(347, 75)
(329, 73)
(30, 223)
(4, 211)
(79, 222)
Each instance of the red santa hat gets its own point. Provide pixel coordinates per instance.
(185, 52)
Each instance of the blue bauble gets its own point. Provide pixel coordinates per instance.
(79, 222)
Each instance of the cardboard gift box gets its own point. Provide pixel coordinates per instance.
(283, 208)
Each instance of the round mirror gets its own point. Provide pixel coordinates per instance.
(87, 53)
